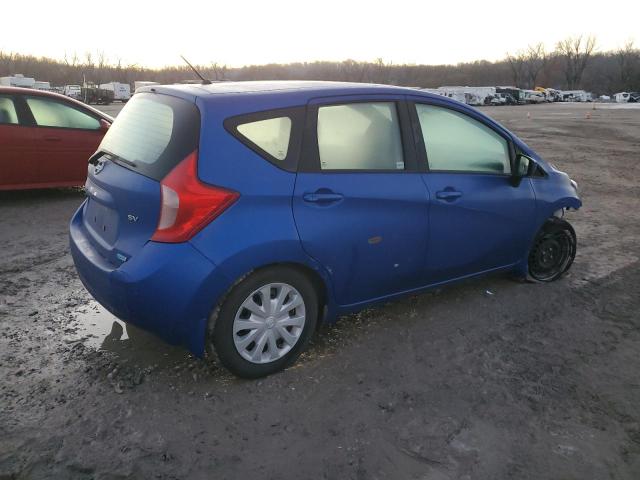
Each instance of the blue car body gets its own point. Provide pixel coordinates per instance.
(364, 237)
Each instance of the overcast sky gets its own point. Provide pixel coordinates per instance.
(154, 33)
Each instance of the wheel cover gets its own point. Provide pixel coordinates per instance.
(269, 323)
(551, 255)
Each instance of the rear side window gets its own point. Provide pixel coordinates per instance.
(457, 142)
(153, 133)
(275, 135)
(50, 113)
(360, 136)
(271, 135)
(8, 114)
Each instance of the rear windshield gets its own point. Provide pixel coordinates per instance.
(153, 133)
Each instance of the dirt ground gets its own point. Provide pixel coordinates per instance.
(490, 379)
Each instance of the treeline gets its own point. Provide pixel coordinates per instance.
(574, 64)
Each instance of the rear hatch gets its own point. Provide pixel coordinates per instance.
(152, 134)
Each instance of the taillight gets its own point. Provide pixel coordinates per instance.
(187, 204)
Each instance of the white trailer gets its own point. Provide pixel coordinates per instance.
(17, 80)
(577, 95)
(39, 85)
(622, 97)
(121, 91)
(469, 95)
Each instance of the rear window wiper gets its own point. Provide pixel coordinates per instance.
(115, 158)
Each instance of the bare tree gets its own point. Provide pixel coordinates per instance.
(576, 52)
(627, 60)
(535, 61)
(352, 71)
(219, 71)
(380, 71)
(517, 64)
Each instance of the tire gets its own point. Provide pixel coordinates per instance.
(276, 337)
(553, 251)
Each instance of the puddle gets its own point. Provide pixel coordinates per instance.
(96, 328)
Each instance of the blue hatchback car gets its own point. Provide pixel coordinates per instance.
(233, 217)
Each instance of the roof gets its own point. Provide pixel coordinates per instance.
(274, 86)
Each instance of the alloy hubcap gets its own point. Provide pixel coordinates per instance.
(269, 323)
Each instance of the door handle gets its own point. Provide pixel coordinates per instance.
(322, 197)
(448, 195)
(52, 139)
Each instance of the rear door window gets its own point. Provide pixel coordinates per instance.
(8, 114)
(360, 136)
(51, 113)
(153, 133)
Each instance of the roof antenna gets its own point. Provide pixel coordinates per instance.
(204, 80)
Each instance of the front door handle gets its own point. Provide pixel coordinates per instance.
(448, 195)
(322, 197)
(51, 138)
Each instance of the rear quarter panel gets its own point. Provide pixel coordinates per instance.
(259, 228)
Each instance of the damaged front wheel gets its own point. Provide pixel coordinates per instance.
(553, 251)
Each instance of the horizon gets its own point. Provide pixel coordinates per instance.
(278, 33)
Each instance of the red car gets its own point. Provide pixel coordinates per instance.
(46, 139)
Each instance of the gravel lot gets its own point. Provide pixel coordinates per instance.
(489, 379)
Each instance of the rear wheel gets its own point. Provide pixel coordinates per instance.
(553, 251)
(265, 322)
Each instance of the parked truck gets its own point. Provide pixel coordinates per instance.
(94, 94)
(121, 91)
(73, 91)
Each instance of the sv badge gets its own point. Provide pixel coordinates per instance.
(132, 218)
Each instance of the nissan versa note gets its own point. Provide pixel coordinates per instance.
(233, 217)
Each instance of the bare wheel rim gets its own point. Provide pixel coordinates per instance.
(269, 323)
(551, 255)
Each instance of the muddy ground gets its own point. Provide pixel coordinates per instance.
(490, 379)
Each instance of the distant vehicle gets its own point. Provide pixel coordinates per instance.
(577, 96)
(532, 96)
(46, 139)
(622, 97)
(238, 225)
(634, 97)
(501, 99)
(39, 85)
(17, 80)
(496, 99)
(73, 91)
(550, 94)
(121, 91)
(472, 95)
(516, 93)
(92, 94)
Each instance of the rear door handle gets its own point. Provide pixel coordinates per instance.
(448, 195)
(50, 138)
(322, 197)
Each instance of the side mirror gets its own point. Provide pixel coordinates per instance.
(521, 167)
(104, 125)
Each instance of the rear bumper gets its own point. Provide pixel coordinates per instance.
(168, 289)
